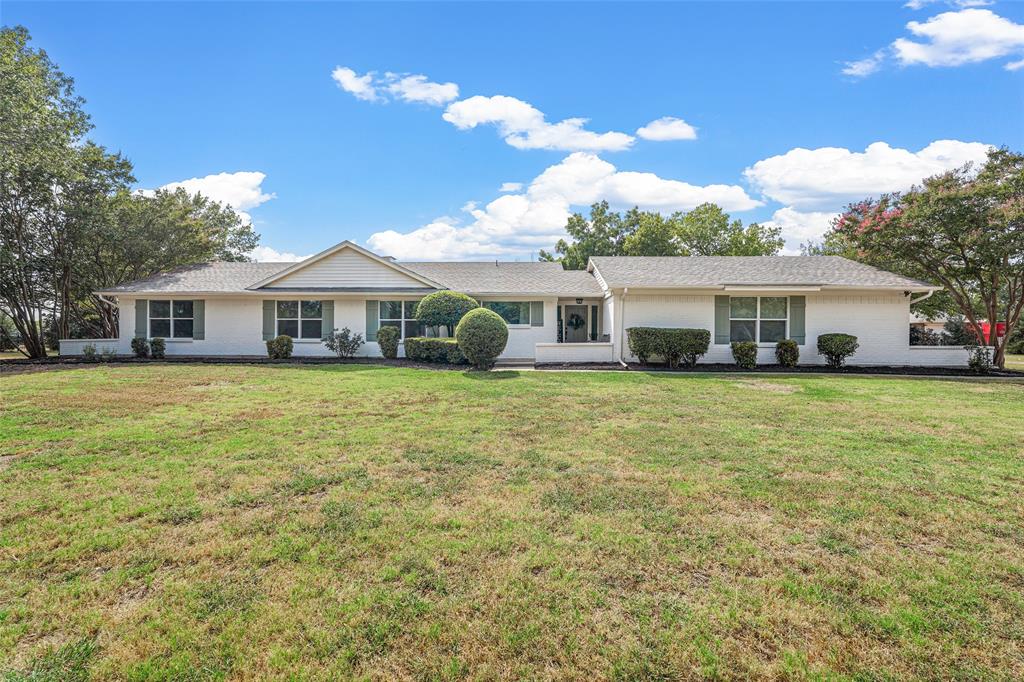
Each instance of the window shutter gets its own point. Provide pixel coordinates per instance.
(797, 319)
(593, 323)
(268, 320)
(558, 310)
(372, 320)
(327, 318)
(721, 319)
(536, 313)
(198, 320)
(142, 318)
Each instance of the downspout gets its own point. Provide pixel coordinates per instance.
(622, 329)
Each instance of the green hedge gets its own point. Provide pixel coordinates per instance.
(278, 348)
(387, 339)
(837, 347)
(787, 352)
(671, 345)
(423, 349)
(482, 336)
(745, 354)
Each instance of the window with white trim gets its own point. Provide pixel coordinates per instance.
(401, 314)
(171, 319)
(764, 319)
(513, 312)
(300, 319)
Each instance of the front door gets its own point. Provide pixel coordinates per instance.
(576, 324)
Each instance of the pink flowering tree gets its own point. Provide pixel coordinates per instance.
(963, 230)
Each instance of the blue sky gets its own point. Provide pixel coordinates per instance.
(396, 125)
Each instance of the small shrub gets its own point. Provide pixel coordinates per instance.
(957, 331)
(745, 354)
(444, 309)
(672, 345)
(157, 348)
(387, 339)
(980, 359)
(140, 346)
(837, 347)
(1015, 345)
(344, 343)
(422, 349)
(108, 354)
(280, 348)
(787, 352)
(89, 352)
(482, 335)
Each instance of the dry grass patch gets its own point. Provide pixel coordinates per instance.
(232, 522)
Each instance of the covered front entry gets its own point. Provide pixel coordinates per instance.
(577, 330)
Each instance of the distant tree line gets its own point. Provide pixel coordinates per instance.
(70, 223)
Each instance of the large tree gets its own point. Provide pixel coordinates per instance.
(963, 229)
(707, 230)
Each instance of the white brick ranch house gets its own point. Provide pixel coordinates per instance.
(553, 315)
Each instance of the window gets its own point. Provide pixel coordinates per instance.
(300, 319)
(516, 312)
(171, 319)
(762, 319)
(401, 314)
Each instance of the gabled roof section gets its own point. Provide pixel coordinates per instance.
(511, 278)
(212, 278)
(337, 252)
(756, 271)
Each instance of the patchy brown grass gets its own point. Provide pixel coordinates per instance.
(194, 522)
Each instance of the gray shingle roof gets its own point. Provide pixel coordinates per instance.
(479, 278)
(490, 277)
(713, 271)
(213, 277)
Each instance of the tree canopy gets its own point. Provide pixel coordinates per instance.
(963, 230)
(705, 231)
(70, 223)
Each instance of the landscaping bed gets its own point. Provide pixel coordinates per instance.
(799, 369)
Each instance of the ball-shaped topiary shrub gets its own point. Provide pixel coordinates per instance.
(140, 346)
(787, 352)
(157, 348)
(481, 335)
(387, 339)
(280, 348)
(745, 354)
(444, 309)
(837, 347)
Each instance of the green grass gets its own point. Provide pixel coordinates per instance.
(171, 522)
(1015, 362)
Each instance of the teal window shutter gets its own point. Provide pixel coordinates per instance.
(326, 318)
(269, 316)
(558, 310)
(372, 320)
(798, 319)
(198, 320)
(536, 313)
(593, 323)
(721, 319)
(142, 318)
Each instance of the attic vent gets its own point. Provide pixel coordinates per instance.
(390, 259)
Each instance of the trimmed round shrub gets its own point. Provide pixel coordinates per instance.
(787, 352)
(387, 339)
(745, 354)
(424, 349)
(482, 336)
(444, 309)
(157, 348)
(280, 348)
(140, 346)
(837, 347)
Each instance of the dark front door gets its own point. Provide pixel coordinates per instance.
(576, 324)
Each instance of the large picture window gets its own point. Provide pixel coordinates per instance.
(171, 319)
(763, 319)
(401, 314)
(300, 319)
(513, 312)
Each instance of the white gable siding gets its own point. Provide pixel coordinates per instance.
(347, 268)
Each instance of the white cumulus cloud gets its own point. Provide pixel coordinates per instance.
(523, 126)
(241, 190)
(361, 87)
(510, 187)
(828, 177)
(521, 223)
(801, 226)
(866, 66)
(416, 88)
(667, 128)
(269, 255)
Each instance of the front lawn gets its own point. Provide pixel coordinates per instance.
(164, 522)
